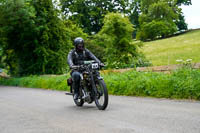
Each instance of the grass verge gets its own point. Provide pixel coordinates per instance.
(180, 84)
(45, 82)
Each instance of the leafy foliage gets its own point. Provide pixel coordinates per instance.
(180, 84)
(35, 36)
(35, 39)
(89, 14)
(1, 58)
(181, 23)
(74, 31)
(184, 2)
(53, 38)
(17, 26)
(156, 29)
(117, 36)
(98, 50)
(157, 20)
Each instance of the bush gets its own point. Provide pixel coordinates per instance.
(116, 36)
(182, 83)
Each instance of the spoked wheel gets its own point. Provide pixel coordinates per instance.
(101, 99)
(79, 102)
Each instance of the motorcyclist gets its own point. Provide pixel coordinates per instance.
(76, 57)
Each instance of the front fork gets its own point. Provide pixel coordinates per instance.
(94, 84)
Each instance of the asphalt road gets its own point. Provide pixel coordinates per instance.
(25, 110)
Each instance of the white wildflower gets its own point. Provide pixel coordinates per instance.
(189, 60)
(179, 60)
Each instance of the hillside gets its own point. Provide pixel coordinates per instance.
(167, 51)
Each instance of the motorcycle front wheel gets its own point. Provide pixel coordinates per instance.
(101, 98)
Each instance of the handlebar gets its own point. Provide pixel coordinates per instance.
(85, 65)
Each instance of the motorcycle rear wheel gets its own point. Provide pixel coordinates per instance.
(101, 98)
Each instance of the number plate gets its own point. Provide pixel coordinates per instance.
(95, 65)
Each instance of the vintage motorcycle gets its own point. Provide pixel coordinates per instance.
(92, 86)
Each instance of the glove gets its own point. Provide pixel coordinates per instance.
(102, 65)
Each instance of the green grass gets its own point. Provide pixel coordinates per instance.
(167, 51)
(45, 82)
(184, 84)
(181, 84)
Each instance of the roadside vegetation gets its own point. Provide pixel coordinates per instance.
(36, 36)
(167, 51)
(180, 84)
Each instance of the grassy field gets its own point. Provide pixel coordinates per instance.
(167, 51)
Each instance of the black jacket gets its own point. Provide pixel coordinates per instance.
(76, 58)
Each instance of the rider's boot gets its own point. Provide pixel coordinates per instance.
(76, 96)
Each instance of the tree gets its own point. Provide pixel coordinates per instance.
(117, 36)
(180, 22)
(35, 39)
(184, 2)
(1, 36)
(1, 56)
(89, 14)
(74, 31)
(53, 38)
(17, 26)
(173, 4)
(157, 19)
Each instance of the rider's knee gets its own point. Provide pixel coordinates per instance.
(76, 76)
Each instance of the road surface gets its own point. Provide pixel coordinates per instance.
(26, 110)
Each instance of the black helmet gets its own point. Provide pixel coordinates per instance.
(79, 43)
(78, 40)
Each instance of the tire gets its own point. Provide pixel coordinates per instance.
(79, 102)
(102, 94)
